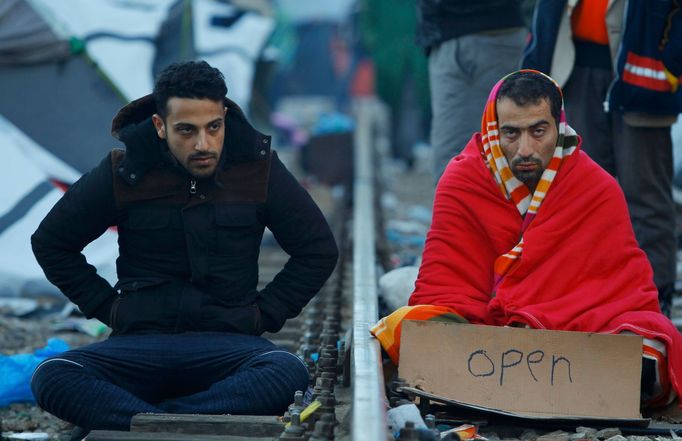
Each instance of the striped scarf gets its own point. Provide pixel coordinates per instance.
(512, 188)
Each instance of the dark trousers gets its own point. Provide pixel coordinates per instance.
(461, 73)
(101, 386)
(639, 157)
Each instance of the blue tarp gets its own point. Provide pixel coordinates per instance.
(16, 371)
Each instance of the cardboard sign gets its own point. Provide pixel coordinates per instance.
(528, 372)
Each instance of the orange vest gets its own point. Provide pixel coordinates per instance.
(588, 21)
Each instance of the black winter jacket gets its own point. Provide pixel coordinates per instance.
(188, 261)
(442, 20)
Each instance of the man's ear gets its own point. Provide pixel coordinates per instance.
(224, 111)
(159, 125)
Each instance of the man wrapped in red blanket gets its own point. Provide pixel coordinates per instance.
(528, 231)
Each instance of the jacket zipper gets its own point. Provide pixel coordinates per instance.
(192, 186)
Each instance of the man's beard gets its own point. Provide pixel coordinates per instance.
(528, 177)
(202, 172)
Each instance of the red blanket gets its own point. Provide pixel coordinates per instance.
(581, 268)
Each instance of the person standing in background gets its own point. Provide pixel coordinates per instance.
(619, 62)
(387, 30)
(470, 46)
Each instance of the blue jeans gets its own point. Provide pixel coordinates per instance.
(101, 386)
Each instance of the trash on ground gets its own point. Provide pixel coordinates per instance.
(420, 213)
(91, 327)
(17, 306)
(334, 122)
(16, 371)
(465, 431)
(397, 285)
(34, 436)
(398, 238)
(398, 416)
(389, 201)
(407, 227)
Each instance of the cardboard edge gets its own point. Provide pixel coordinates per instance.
(635, 422)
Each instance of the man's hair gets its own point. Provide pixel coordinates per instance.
(525, 88)
(188, 79)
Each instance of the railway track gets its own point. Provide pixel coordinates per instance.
(345, 400)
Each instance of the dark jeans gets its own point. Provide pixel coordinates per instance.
(101, 386)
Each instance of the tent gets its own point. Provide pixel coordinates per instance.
(27, 196)
(66, 67)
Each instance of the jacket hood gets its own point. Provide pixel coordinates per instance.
(243, 143)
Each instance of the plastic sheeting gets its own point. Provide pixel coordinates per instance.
(16, 371)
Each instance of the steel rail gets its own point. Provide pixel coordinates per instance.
(368, 405)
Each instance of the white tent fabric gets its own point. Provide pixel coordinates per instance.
(127, 63)
(235, 49)
(26, 199)
(120, 28)
(51, 166)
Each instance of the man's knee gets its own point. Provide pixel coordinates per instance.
(48, 378)
(274, 376)
(288, 369)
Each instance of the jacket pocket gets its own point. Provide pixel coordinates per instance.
(237, 230)
(138, 283)
(235, 215)
(151, 234)
(148, 219)
(146, 306)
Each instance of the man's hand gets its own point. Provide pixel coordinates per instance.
(269, 320)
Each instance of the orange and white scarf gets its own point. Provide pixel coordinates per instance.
(511, 187)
